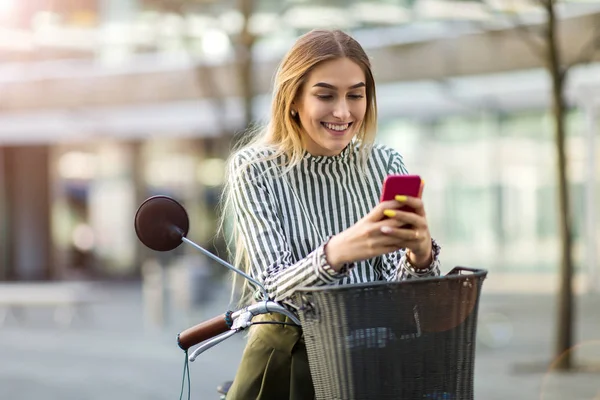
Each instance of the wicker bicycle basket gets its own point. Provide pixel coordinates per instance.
(403, 340)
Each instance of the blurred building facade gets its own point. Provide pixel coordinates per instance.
(106, 102)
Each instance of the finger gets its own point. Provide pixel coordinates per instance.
(406, 218)
(376, 213)
(390, 237)
(380, 245)
(413, 202)
(395, 241)
(390, 247)
(408, 236)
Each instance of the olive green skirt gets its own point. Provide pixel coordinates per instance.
(274, 365)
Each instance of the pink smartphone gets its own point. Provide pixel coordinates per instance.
(407, 185)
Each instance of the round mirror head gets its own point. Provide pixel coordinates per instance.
(161, 223)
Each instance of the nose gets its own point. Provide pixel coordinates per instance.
(341, 110)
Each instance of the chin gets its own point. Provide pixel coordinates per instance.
(336, 148)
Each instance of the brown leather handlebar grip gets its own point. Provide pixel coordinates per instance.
(201, 332)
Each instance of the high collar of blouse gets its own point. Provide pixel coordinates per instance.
(344, 155)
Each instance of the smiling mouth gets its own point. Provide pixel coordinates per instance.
(337, 128)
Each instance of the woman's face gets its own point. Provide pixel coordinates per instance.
(332, 106)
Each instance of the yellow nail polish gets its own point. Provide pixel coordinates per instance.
(401, 199)
(389, 213)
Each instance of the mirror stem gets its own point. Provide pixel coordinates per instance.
(226, 264)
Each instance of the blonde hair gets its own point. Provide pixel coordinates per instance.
(282, 136)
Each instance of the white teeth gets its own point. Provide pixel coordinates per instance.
(336, 127)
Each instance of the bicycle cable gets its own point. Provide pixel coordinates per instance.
(276, 323)
(186, 369)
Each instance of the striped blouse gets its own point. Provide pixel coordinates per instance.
(286, 219)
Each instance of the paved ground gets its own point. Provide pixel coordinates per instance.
(111, 354)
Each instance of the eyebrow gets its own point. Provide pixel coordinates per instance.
(328, 86)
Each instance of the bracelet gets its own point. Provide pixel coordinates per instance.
(435, 252)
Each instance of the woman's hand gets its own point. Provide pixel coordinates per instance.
(375, 235)
(411, 230)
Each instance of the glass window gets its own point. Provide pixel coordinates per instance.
(401, 134)
(575, 123)
(577, 206)
(547, 212)
(531, 124)
(547, 203)
(464, 128)
(468, 215)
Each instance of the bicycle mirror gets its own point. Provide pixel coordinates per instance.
(161, 223)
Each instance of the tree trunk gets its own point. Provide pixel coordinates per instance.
(564, 338)
(244, 56)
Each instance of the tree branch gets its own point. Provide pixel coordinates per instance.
(545, 3)
(528, 35)
(589, 48)
(525, 31)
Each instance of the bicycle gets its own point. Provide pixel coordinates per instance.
(434, 326)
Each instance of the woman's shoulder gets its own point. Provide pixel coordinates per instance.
(388, 157)
(255, 163)
(385, 152)
(253, 155)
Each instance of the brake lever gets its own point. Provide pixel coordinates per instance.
(212, 342)
(242, 319)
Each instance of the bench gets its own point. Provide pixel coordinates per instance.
(66, 299)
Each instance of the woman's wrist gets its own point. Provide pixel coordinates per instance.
(333, 256)
(419, 263)
(423, 259)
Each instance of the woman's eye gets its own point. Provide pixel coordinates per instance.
(324, 96)
(356, 96)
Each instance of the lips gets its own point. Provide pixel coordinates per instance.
(337, 128)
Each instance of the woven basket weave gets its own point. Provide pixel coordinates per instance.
(402, 340)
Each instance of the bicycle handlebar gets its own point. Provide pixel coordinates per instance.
(230, 321)
(204, 331)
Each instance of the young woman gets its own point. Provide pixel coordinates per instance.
(305, 199)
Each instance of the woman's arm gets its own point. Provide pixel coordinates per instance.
(271, 262)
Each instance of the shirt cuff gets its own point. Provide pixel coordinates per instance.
(326, 271)
(432, 270)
